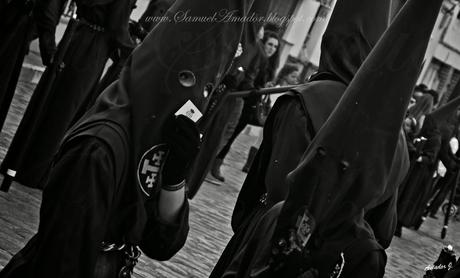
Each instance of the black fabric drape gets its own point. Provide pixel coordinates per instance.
(16, 31)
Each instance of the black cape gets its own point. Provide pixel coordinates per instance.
(265, 184)
(88, 200)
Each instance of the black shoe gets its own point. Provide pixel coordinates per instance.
(212, 180)
(418, 223)
(251, 156)
(215, 171)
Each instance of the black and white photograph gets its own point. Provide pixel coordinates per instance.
(229, 138)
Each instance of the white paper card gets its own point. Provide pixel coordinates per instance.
(190, 111)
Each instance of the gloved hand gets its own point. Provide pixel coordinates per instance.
(48, 48)
(183, 139)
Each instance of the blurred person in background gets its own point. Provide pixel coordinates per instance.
(251, 105)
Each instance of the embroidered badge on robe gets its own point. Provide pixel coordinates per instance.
(149, 168)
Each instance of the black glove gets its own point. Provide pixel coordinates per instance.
(47, 46)
(183, 139)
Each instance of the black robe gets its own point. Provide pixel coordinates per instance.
(369, 259)
(61, 96)
(293, 122)
(270, 166)
(16, 31)
(89, 199)
(416, 190)
(290, 127)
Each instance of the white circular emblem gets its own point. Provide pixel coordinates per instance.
(149, 168)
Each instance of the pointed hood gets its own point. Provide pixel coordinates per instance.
(174, 64)
(351, 34)
(347, 166)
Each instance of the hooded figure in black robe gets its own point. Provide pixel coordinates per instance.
(61, 95)
(321, 228)
(16, 31)
(438, 129)
(297, 117)
(416, 189)
(106, 178)
(449, 129)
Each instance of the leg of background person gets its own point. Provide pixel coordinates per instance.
(242, 123)
(440, 196)
(253, 151)
(229, 130)
(260, 137)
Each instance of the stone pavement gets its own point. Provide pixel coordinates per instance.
(209, 217)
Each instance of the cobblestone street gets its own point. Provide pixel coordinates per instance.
(209, 216)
